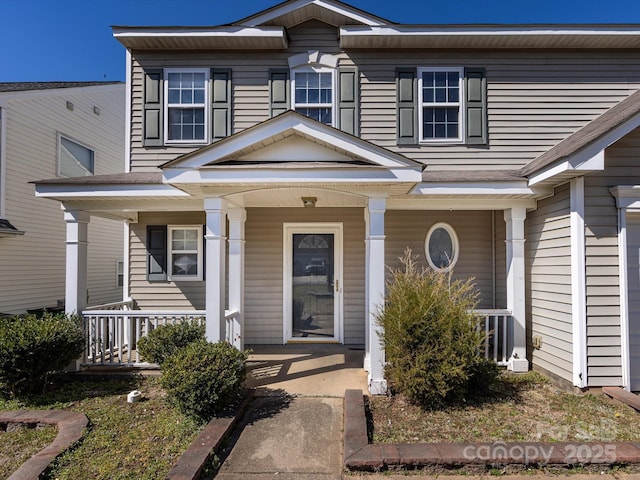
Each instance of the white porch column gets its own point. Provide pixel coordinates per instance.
(237, 218)
(514, 218)
(215, 237)
(76, 270)
(374, 360)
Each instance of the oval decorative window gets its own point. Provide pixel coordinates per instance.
(441, 247)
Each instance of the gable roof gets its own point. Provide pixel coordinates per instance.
(577, 150)
(294, 12)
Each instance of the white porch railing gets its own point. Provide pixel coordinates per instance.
(111, 335)
(498, 324)
(232, 319)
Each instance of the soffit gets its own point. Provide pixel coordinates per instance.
(491, 36)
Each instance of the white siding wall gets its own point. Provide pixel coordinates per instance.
(534, 99)
(603, 291)
(548, 246)
(32, 266)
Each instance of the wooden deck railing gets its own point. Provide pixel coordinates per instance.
(498, 325)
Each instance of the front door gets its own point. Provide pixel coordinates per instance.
(312, 282)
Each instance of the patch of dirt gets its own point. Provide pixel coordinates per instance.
(528, 411)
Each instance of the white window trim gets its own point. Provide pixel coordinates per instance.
(119, 266)
(199, 253)
(334, 93)
(60, 136)
(460, 104)
(455, 243)
(165, 106)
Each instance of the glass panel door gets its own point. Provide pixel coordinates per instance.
(313, 286)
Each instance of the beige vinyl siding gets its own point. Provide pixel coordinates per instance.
(189, 295)
(548, 262)
(602, 263)
(534, 99)
(264, 275)
(32, 266)
(409, 229)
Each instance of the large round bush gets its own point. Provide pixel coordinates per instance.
(32, 348)
(166, 340)
(204, 378)
(430, 335)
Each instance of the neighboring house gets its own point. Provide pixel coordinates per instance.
(55, 130)
(277, 164)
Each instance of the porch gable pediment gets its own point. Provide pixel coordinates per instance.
(287, 143)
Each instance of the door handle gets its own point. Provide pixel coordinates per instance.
(337, 282)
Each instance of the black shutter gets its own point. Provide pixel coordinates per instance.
(278, 91)
(348, 96)
(156, 253)
(476, 106)
(407, 107)
(153, 127)
(220, 103)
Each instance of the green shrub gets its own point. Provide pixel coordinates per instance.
(33, 348)
(165, 340)
(203, 378)
(432, 345)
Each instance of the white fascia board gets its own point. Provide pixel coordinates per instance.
(122, 33)
(289, 7)
(434, 203)
(590, 158)
(107, 191)
(580, 164)
(133, 205)
(627, 196)
(303, 176)
(280, 126)
(457, 31)
(473, 188)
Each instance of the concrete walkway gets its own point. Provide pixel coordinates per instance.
(293, 429)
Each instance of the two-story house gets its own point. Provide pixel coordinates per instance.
(56, 130)
(278, 164)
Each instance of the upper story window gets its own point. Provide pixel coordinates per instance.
(314, 95)
(440, 97)
(74, 159)
(186, 105)
(441, 105)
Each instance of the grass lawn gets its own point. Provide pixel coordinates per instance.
(139, 440)
(523, 408)
(19, 445)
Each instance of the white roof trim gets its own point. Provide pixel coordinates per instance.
(107, 191)
(129, 36)
(356, 36)
(627, 196)
(296, 123)
(577, 164)
(291, 6)
(459, 203)
(588, 159)
(474, 188)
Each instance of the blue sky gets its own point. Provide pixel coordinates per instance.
(50, 40)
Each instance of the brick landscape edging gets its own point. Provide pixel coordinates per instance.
(359, 454)
(191, 462)
(71, 427)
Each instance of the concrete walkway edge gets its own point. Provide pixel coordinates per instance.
(71, 427)
(193, 460)
(360, 455)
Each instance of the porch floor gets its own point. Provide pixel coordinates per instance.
(323, 370)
